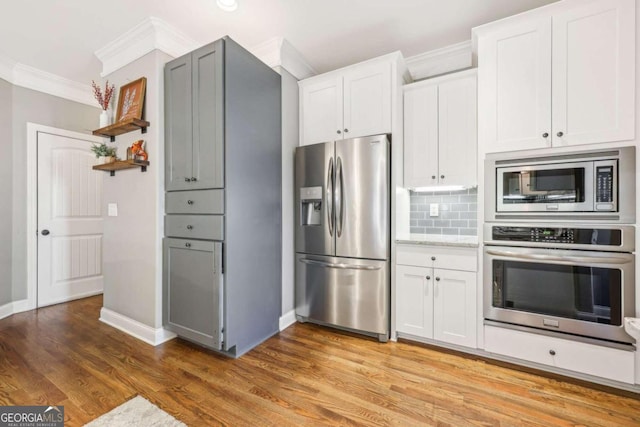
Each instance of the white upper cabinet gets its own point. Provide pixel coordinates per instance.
(558, 76)
(347, 103)
(440, 130)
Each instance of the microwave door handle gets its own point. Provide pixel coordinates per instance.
(580, 259)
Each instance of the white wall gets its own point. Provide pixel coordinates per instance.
(132, 245)
(36, 107)
(289, 144)
(6, 181)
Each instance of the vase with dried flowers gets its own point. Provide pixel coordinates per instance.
(103, 99)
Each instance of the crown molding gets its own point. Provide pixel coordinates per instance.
(439, 61)
(278, 52)
(152, 33)
(43, 81)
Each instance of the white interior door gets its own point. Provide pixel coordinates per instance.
(70, 223)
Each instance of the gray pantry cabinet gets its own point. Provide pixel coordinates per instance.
(222, 251)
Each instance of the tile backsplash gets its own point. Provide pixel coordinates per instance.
(457, 212)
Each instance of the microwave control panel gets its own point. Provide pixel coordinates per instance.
(604, 184)
(566, 235)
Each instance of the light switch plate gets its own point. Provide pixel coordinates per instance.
(433, 209)
(112, 209)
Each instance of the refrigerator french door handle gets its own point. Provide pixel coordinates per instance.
(330, 185)
(339, 266)
(339, 196)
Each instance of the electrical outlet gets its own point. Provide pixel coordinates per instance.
(433, 209)
(112, 209)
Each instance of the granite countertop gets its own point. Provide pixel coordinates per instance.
(438, 240)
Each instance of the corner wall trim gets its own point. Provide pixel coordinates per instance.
(14, 307)
(287, 319)
(277, 51)
(152, 33)
(439, 61)
(134, 328)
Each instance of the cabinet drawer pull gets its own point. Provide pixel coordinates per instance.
(552, 352)
(189, 227)
(188, 245)
(189, 202)
(433, 258)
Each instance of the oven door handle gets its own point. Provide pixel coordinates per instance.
(580, 259)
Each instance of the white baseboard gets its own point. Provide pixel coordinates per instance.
(287, 320)
(134, 328)
(14, 307)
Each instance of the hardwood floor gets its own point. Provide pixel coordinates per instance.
(306, 375)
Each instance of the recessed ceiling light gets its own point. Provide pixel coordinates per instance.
(227, 5)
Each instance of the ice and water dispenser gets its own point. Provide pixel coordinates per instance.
(311, 206)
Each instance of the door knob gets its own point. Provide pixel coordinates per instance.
(45, 232)
(560, 134)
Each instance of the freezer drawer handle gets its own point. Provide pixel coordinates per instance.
(340, 266)
(582, 259)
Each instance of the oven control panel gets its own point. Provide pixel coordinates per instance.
(562, 235)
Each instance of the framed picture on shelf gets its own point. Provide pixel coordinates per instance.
(131, 100)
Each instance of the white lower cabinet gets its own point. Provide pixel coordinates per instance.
(605, 362)
(433, 301)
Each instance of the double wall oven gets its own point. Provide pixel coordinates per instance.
(559, 243)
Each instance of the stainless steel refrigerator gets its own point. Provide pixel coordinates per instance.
(342, 234)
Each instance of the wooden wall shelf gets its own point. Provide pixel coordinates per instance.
(122, 127)
(121, 165)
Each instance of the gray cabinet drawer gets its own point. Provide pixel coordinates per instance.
(206, 227)
(195, 202)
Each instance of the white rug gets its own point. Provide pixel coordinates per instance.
(136, 412)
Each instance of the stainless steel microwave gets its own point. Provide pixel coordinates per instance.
(582, 185)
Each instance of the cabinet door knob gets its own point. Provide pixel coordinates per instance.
(187, 180)
(189, 227)
(560, 134)
(194, 179)
(189, 202)
(346, 130)
(433, 177)
(437, 279)
(442, 176)
(433, 258)
(428, 277)
(188, 245)
(552, 352)
(545, 135)
(45, 232)
(339, 131)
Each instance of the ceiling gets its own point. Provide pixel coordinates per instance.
(61, 36)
